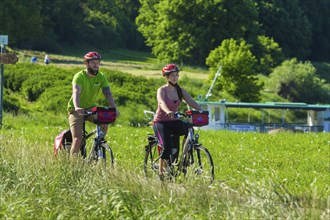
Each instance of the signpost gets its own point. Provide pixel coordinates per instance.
(5, 58)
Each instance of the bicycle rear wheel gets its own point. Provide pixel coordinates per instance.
(151, 160)
(199, 164)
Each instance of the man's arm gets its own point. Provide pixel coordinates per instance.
(108, 95)
(190, 101)
(76, 90)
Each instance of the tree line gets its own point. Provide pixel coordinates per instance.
(247, 37)
(175, 30)
(49, 24)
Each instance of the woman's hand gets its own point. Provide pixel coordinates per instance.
(170, 114)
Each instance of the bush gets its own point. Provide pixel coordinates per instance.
(10, 103)
(298, 82)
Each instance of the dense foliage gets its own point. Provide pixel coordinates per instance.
(186, 31)
(297, 82)
(31, 87)
(176, 30)
(47, 24)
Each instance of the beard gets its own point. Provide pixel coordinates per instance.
(93, 71)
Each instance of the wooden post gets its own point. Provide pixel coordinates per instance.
(8, 58)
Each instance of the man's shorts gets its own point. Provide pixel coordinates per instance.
(76, 123)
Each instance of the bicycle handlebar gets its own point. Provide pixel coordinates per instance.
(180, 115)
(149, 115)
(87, 113)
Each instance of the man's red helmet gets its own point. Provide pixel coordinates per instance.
(170, 68)
(92, 56)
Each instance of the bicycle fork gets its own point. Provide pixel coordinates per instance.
(99, 152)
(187, 151)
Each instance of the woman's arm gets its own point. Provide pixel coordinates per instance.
(190, 101)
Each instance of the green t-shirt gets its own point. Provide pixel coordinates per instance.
(90, 88)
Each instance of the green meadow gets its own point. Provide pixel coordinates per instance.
(257, 176)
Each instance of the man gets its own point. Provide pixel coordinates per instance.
(86, 86)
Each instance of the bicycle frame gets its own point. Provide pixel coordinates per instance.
(189, 141)
(97, 149)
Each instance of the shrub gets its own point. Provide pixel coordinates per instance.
(298, 82)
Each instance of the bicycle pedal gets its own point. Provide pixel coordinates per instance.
(155, 166)
(198, 171)
(176, 162)
(161, 178)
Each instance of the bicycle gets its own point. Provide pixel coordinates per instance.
(195, 159)
(100, 150)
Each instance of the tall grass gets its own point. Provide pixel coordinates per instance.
(258, 176)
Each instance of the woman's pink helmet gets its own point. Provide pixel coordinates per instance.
(170, 68)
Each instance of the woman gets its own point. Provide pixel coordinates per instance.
(166, 126)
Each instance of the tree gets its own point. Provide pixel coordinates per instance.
(132, 38)
(286, 22)
(47, 24)
(185, 31)
(21, 21)
(318, 13)
(63, 22)
(238, 76)
(268, 54)
(298, 82)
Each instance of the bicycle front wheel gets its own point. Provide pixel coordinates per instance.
(199, 165)
(107, 155)
(151, 160)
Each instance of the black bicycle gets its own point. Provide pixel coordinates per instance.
(100, 150)
(195, 160)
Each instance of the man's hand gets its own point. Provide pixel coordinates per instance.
(117, 113)
(80, 111)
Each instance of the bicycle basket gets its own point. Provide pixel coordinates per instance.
(104, 115)
(197, 118)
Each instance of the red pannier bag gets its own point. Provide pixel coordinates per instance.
(197, 118)
(104, 115)
(63, 140)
